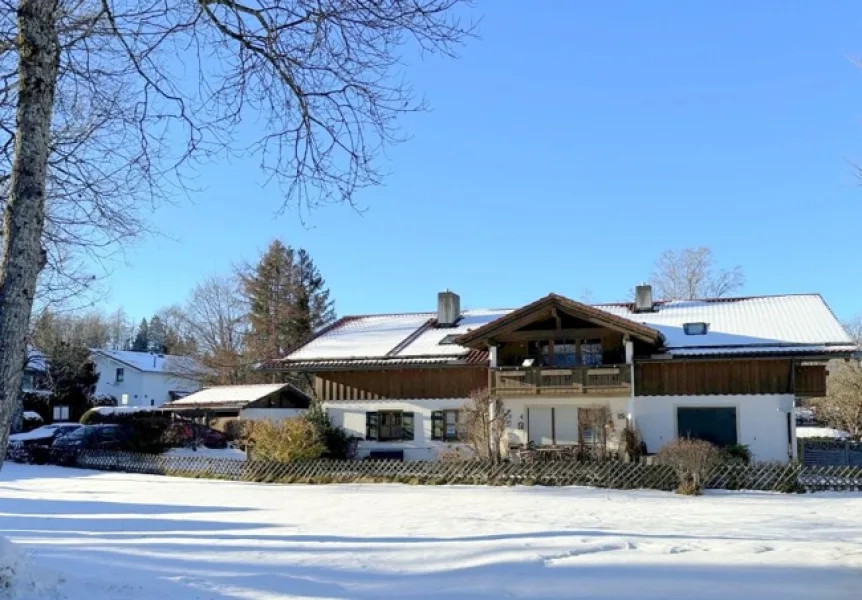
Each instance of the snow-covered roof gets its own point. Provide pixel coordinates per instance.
(800, 324)
(764, 324)
(149, 362)
(36, 360)
(229, 395)
(806, 432)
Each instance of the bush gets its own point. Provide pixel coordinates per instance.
(234, 430)
(737, 454)
(632, 444)
(284, 441)
(692, 460)
(336, 440)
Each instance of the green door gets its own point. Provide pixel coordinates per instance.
(716, 425)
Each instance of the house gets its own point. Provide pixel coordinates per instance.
(275, 401)
(728, 370)
(35, 378)
(145, 378)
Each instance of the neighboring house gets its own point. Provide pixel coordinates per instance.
(274, 401)
(144, 378)
(35, 378)
(727, 370)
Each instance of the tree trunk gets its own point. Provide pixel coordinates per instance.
(24, 220)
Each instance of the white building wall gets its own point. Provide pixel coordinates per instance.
(350, 414)
(518, 430)
(270, 414)
(761, 421)
(141, 388)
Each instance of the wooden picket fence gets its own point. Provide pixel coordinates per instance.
(616, 475)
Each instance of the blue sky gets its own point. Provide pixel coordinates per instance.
(567, 148)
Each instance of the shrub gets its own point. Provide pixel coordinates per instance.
(284, 441)
(336, 440)
(234, 429)
(692, 460)
(632, 444)
(737, 454)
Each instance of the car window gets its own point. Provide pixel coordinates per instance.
(78, 434)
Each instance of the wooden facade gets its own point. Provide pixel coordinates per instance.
(449, 382)
(737, 376)
(670, 378)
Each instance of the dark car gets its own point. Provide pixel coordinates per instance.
(34, 446)
(183, 434)
(66, 449)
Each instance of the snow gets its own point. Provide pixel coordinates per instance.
(19, 577)
(821, 432)
(122, 410)
(136, 537)
(222, 394)
(800, 323)
(233, 453)
(40, 433)
(155, 363)
(31, 416)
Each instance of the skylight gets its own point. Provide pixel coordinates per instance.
(699, 328)
(449, 340)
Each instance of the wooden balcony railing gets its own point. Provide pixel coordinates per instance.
(517, 381)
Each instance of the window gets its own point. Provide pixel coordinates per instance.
(389, 425)
(695, 328)
(61, 413)
(716, 425)
(446, 425)
(124, 399)
(591, 353)
(559, 353)
(121, 375)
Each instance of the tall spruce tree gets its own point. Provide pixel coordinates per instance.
(157, 335)
(142, 338)
(288, 299)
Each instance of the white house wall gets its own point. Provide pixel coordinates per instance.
(141, 388)
(350, 414)
(270, 414)
(761, 420)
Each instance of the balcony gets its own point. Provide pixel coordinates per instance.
(608, 380)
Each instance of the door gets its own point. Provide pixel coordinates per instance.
(541, 425)
(716, 425)
(566, 425)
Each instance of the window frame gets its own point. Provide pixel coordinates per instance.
(120, 375)
(63, 409)
(406, 431)
(439, 425)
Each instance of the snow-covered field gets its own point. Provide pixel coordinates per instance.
(110, 535)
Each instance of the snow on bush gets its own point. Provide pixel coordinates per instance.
(19, 578)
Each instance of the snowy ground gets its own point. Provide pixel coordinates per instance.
(127, 536)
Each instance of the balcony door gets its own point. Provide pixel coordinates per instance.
(553, 425)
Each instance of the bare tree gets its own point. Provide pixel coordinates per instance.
(112, 96)
(216, 317)
(842, 406)
(691, 273)
(484, 422)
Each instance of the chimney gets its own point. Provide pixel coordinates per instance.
(448, 309)
(643, 298)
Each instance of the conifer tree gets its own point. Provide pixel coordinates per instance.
(142, 338)
(287, 300)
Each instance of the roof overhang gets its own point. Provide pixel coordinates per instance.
(479, 338)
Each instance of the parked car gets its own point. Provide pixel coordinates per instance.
(34, 445)
(183, 434)
(66, 449)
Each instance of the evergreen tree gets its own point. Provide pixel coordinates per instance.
(287, 298)
(72, 377)
(158, 334)
(142, 338)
